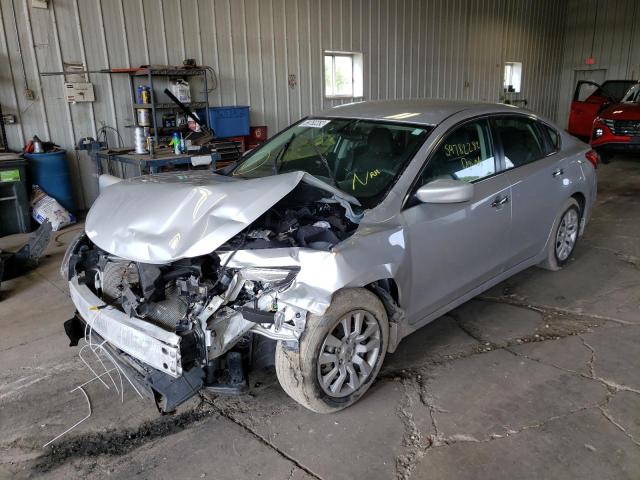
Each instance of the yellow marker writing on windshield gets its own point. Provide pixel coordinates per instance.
(368, 175)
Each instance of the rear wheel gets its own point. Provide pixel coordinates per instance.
(564, 236)
(340, 353)
(604, 157)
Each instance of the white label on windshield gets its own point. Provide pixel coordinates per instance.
(314, 123)
(417, 131)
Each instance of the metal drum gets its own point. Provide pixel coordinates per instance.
(51, 172)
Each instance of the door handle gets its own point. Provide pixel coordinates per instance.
(498, 202)
(557, 172)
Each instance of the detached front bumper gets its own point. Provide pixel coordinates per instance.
(144, 341)
(167, 392)
(145, 353)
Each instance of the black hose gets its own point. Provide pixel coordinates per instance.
(180, 272)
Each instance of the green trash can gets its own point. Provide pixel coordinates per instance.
(14, 197)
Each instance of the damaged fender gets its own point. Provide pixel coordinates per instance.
(355, 262)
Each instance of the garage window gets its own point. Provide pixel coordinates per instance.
(512, 76)
(343, 74)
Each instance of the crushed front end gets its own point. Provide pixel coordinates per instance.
(189, 324)
(172, 323)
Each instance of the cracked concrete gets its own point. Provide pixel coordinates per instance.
(537, 378)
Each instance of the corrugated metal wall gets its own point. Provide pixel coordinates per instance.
(610, 31)
(412, 48)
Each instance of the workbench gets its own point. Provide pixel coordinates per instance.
(146, 163)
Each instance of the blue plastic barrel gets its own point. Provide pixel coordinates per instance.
(51, 172)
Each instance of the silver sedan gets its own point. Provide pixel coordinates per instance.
(332, 241)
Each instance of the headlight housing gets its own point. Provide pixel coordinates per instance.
(271, 277)
(71, 249)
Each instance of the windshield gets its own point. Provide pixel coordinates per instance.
(633, 95)
(614, 89)
(360, 157)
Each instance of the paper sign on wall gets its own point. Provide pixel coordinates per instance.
(79, 92)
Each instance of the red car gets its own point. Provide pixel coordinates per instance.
(607, 116)
(617, 127)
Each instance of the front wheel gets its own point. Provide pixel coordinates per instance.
(564, 236)
(340, 353)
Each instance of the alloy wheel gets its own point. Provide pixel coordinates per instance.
(349, 354)
(567, 234)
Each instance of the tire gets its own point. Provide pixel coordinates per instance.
(605, 157)
(559, 255)
(300, 373)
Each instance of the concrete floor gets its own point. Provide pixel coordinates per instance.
(537, 378)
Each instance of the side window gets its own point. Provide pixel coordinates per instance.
(522, 140)
(466, 154)
(554, 138)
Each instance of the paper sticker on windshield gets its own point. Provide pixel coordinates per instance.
(314, 123)
(416, 131)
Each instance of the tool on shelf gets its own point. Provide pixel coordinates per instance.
(200, 138)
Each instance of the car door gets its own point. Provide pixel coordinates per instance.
(538, 176)
(589, 99)
(453, 248)
(586, 103)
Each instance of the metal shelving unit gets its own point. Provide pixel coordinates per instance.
(148, 75)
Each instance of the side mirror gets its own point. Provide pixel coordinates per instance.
(445, 191)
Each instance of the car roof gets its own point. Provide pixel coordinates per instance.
(418, 111)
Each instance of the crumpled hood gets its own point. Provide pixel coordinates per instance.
(165, 217)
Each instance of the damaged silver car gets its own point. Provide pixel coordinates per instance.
(320, 250)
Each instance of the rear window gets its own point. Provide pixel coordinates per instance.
(522, 140)
(553, 136)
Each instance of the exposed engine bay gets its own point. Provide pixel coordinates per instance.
(306, 217)
(213, 308)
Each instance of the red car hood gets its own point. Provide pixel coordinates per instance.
(622, 111)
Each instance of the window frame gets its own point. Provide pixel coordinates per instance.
(495, 145)
(553, 148)
(356, 86)
(545, 138)
(496, 142)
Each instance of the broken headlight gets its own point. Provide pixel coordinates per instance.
(66, 260)
(275, 278)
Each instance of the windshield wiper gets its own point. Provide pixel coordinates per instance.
(324, 162)
(280, 154)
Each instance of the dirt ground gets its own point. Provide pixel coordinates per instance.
(537, 378)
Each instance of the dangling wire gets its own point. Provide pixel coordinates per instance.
(214, 79)
(99, 350)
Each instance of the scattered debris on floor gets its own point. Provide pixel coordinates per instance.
(13, 265)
